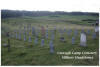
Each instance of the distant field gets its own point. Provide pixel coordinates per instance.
(25, 53)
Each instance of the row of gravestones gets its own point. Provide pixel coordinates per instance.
(82, 43)
(52, 36)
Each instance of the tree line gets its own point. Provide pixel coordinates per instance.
(17, 13)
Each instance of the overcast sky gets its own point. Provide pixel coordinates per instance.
(52, 5)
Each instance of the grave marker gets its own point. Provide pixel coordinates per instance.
(73, 40)
(19, 35)
(52, 36)
(47, 35)
(69, 32)
(42, 32)
(8, 36)
(51, 46)
(33, 31)
(94, 35)
(24, 37)
(29, 39)
(36, 40)
(16, 35)
(88, 31)
(83, 39)
(42, 42)
(75, 32)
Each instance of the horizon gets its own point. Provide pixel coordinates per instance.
(49, 11)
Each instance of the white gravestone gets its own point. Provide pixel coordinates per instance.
(83, 39)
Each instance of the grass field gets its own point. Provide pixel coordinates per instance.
(25, 53)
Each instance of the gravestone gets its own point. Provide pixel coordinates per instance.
(23, 32)
(29, 39)
(42, 42)
(94, 35)
(24, 28)
(73, 40)
(69, 32)
(42, 32)
(46, 36)
(83, 39)
(52, 36)
(64, 29)
(29, 27)
(97, 28)
(19, 35)
(55, 30)
(16, 35)
(46, 30)
(8, 37)
(24, 37)
(82, 30)
(28, 33)
(88, 31)
(37, 33)
(75, 32)
(33, 31)
(36, 40)
(62, 39)
(12, 34)
(51, 46)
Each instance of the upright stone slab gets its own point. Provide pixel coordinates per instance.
(37, 33)
(51, 46)
(83, 39)
(42, 42)
(88, 31)
(28, 33)
(16, 35)
(55, 30)
(69, 32)
(52, 37)
(46, 35)
(46, 30)
(42, 32)
(62, 39)
(64, 29)
(97, 28)
(94, 35)
(24, 28)
(75, 32)
(24, 37)
(23, 32)
(33, 31)
(19, 35)
(29, 39)
(36, 40)
(8, 37)
(73, 40)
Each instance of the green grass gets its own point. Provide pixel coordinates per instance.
(25, 53)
